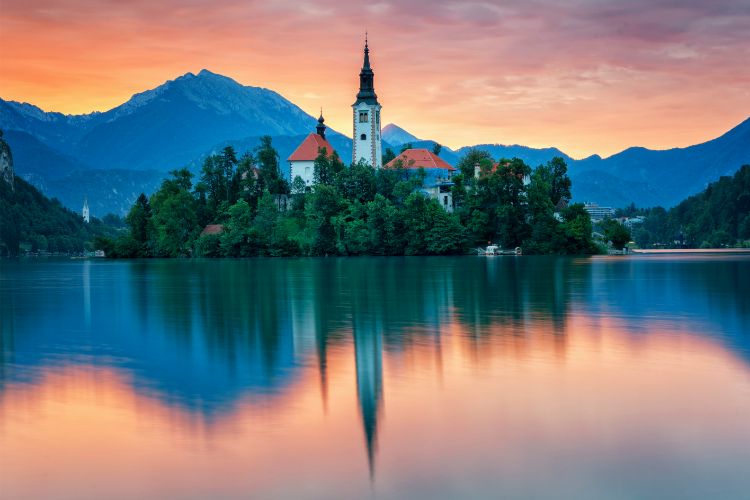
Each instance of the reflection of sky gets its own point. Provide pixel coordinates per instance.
(214, 343)
(664, 416)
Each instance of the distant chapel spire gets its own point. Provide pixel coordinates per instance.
(321, 128)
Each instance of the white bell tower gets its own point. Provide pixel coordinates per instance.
(85, 211)
(366, 144)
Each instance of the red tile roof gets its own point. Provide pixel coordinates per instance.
(419, 158)
(212, 229)
(308, 150)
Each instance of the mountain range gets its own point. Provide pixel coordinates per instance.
(112, 156)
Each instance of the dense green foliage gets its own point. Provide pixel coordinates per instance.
(717, 217)
(350, 211)
(31, 221)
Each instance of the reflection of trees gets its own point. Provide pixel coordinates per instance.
(212, 331)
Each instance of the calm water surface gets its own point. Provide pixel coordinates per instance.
(376, 378)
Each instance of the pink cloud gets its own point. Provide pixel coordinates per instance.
(587, 76)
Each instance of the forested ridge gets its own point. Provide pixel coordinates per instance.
(719, 216)
(29, 221)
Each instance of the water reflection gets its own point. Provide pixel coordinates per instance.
(208, 343)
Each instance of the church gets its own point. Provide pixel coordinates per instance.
(367, 144)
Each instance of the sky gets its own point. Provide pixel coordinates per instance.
(586, 76)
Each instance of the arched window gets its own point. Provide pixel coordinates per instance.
(363, 137)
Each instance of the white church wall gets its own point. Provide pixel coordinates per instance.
(304, 169)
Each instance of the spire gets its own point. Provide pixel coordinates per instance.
(321, 128)
(366, 64)
(367, 80)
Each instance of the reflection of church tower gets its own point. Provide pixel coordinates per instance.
(366, 144)
(321, 341)
(368, 356)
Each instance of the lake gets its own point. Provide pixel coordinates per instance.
(465, 377)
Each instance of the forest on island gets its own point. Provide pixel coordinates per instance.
(355, 210)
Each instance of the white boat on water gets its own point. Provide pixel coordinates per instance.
(492, 250)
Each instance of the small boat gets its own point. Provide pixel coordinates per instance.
(492, 250)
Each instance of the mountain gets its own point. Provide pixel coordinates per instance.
(162, 128)
(155, 131)
(531, 156)
(670, 175)
(37, 160)
(180, 122)
(182, 118)
(108, 191)
(395, 135)
(55, 130)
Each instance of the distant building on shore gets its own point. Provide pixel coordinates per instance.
(599, 213)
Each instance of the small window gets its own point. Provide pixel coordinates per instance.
(445, 201)
(363, 117)
(363, 137)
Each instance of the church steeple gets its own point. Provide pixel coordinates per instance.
(366, 92)
(85, 211)
(321, 128)
(366, 143)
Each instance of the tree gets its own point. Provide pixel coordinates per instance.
(139, 221)
(326, 167)
(541, 210)
(237, 238)
(357, 182)
(227, 162)
(505, 190)
(437, 148)
(615, 232)
(472, 158)
(388, 155)
(174, 217)
(559, 181)
(321, 206)
(385, 226)
(298, 186)
(575, 231)
(268, 161)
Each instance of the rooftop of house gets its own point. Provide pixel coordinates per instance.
(212, 229)
(419, 158)
(309, 149)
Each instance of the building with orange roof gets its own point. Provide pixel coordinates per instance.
(302, 160)
(438, 172)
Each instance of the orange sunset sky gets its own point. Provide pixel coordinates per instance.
(587, 76)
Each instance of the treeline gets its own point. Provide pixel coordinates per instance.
(717, 217)
(29, 221)
(351, 211)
